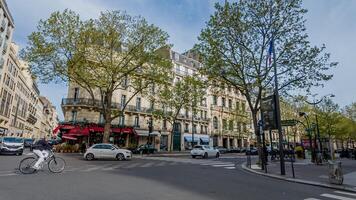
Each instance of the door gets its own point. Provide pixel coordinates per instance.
(176, 137)
(98, 151)
(108, 151)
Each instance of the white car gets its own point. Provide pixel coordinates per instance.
(204, 151)
(107, 151)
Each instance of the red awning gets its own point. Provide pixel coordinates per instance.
(69, 137)
(96, 129)
(79, 131)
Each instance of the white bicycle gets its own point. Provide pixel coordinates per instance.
(55, 164)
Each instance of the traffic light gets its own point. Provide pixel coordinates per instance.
(268, 110)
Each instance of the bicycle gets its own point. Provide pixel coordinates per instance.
(55, 164)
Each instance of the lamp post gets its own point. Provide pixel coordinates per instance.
(305, 115)
(314, 104)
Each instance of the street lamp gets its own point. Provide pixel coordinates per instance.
(308, 129)
(314, 104)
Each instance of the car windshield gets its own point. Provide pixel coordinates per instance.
(116, 146)
(28, 140)
(13, 140)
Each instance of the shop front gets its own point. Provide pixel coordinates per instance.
(199, 139)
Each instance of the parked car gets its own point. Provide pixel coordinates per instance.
(204, 151)
(222, 150)
(234, 150)
(11, 145)
(252, 151)
(28, 142)
(242, 149)
(145, 148)
(107, 151)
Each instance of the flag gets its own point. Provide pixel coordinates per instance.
(270, 50)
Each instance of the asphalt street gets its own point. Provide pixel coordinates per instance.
(166, 178)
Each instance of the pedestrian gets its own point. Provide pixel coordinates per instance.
(83, 147)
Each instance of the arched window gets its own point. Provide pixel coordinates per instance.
(215, 123)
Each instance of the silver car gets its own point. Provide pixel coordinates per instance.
(204, 151)
(107, 151)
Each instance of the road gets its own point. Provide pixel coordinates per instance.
(149, 178)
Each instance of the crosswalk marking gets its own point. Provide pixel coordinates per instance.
(147, 164)
(332, 196)
(224, 165)
(347, 193)
(230, 167)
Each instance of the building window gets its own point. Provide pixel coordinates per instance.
(74, 116)
(194, 128)
(215, 100)
(122, 120)
(205, 114)
(101, 118)
(239, 127)
(243, 106)
(206, 130)
(201, 129)
(224, 124)
(245, 127)
(230, 103)
(164, 124)
(215, 123)
(237, 105)
(125, 82)
(223, 102)
(231, 125)
(186, 113)
(186, 129)
(152, 105)
(201, 114)
(138, 103)
(76, 93)
(123, 100)
(137, 121)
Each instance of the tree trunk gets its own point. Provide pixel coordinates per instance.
(257, 133)
(107, 130)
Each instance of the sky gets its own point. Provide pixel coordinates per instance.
(329, 22)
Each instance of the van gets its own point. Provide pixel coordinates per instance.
(11, 145)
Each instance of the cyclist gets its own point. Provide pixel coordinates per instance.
(42, 148)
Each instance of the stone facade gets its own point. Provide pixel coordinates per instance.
(220, 103)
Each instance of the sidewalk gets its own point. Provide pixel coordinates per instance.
(309, 173)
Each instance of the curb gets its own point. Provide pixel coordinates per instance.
(300, 181)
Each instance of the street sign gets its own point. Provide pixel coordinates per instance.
(289, 122)
(268, 109)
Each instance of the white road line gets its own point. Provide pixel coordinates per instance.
(11, 174)
(336, 197)
(230, 167)
(91, 169)
(161, 164)
(132, 165)
(147, 164)
(347, 193)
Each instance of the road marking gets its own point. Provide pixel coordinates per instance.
(147, 164)
(347, 193)
(161, 164)
(132, 165)
(336, 197)
(91, 169)
(11, 174)
(230, 167)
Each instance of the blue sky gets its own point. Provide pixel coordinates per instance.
(329, 22)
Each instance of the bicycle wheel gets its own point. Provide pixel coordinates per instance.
(26, 165)
(56, 165)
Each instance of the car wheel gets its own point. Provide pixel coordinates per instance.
(205, 155)
(89, 156)
(217, 155)
(120, 157)
(194, 156)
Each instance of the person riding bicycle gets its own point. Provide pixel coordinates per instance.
(42, 149)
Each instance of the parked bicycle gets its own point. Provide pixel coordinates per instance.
(55, 164)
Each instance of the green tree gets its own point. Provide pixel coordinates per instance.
(182, 94)
(233, 48)
(114, 52)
